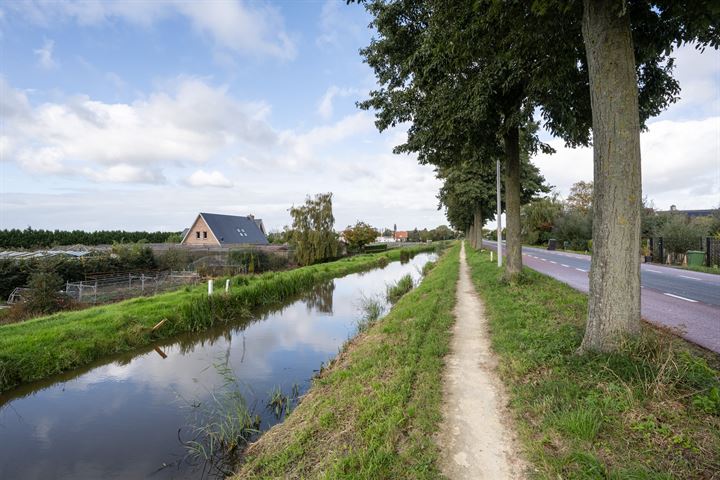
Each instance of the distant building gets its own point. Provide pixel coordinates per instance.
(213, 229)
(690, 213)
(401, 236)
(382, 239)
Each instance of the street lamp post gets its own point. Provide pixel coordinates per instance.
(499, 218)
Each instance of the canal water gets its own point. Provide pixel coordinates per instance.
(127, 417)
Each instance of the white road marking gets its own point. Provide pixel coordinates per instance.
(544, 260)
(691, 278)
(654, 271)
(553, 262)
(581, 270)
(563, 265)
(681, 298)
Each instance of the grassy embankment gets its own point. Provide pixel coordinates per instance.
(650, 411)
(44, 346)
(373, 412)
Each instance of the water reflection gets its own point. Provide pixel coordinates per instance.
(120, 419)
(320, 298)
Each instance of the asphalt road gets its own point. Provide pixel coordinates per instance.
(683, 300)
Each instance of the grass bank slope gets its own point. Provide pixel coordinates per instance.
(650, 411)
(45, 346)
(374, 412)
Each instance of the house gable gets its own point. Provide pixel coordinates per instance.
(200, 233)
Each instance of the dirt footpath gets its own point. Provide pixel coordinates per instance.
(476, 434)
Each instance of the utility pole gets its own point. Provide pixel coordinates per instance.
(499, 213)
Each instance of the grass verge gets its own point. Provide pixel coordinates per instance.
(373, 413)
(696, 268)
(650, 411)
(45, 346)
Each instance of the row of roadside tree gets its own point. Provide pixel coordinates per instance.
(472, 81)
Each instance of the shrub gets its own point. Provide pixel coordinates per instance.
(174, 259)
(575, 228)
(680, 234)
(45, 294)
(380, 247)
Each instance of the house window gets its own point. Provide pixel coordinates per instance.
(204, 234)
(197, 234)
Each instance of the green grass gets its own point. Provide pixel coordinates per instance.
(45, 346)
(651, 410)
(697, 268)
(373, 412)
(400, 288)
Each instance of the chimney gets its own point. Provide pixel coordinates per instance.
(251, 216)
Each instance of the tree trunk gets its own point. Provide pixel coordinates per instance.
(470, 235)
(477, 228)
(614, 301)
(511, 140)
(478, 233)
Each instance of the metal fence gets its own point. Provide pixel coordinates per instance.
(111, 288)
(710, 246)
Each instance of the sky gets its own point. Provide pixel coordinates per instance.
(138, 115)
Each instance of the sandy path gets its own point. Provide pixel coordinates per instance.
(475, 435)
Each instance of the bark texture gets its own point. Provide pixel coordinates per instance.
(614, 301)
(513, 254)
(478, 224)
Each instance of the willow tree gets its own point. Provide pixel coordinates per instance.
(312, 230)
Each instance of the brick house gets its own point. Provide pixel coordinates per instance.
(401, 236)
(212, 229)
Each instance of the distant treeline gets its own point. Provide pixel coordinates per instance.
(31, 238)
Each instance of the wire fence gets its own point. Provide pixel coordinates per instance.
(110, 288)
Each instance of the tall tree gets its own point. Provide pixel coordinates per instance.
(359, 235)
(468, 78)
(627, 46)
(580, 197)
(312, 230)
(468, 194)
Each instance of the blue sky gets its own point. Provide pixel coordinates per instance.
(137, 115)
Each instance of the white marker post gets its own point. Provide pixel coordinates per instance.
(499, 213)
(227, 285)
(210, 287)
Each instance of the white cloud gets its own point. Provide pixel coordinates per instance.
(680, 163)
(255, 30)
(45, 55)
(194, 123)
(302, 147)
(124, 174)
(325, 107)
(201, 178)
(699, 76)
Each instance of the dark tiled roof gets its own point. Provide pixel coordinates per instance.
(235, 229)
(692, 213)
